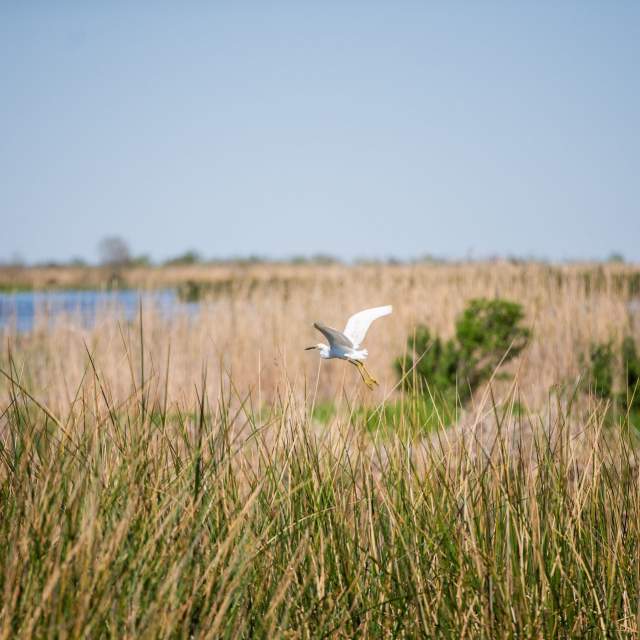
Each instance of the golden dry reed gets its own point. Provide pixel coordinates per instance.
(254, 322)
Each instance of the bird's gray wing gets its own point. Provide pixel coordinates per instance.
(335, 338)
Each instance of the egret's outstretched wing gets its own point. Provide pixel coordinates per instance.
(359, 323)
(335, 338)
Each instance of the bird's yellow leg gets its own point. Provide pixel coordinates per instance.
(368, 374)
(368, 380)
(365, 378)
(356, 364)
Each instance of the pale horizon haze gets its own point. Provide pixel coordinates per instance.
(356, 129)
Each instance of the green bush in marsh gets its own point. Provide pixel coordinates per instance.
(615, 378)
(488, 333)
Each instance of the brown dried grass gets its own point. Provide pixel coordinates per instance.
(253, 329)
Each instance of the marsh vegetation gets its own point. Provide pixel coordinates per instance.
(196, 475)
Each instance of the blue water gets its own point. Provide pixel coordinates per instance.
(21, 308)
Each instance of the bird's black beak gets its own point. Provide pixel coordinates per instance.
(309, 348)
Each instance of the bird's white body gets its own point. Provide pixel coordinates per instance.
(344, 353)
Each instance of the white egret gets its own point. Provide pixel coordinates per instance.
(346, 344)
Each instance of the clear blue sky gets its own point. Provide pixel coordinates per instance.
(360, 129)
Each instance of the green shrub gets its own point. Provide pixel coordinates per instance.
(617, 380)
(600, 378)
(488, 333)
(434, 361)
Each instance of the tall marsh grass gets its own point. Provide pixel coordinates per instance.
(220, 521)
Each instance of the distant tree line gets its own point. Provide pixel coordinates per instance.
(114, 251)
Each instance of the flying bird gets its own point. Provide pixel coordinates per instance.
(346, 344)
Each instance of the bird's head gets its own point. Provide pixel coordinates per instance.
(322, 348)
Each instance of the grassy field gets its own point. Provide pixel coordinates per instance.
(203, 476)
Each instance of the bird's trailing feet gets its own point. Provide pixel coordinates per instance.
(368, 374)
(367, 378)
